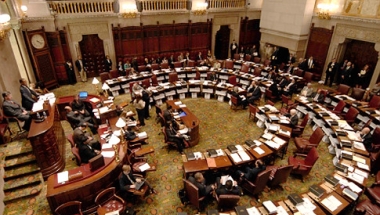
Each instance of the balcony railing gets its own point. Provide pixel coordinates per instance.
(155, 5)
(81, 7)
(223, 4)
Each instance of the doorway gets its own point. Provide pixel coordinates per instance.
(93, 56)
(222, 40)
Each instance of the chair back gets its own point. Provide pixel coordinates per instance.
(229, 64)
(192, 193)
(234, 100)
(311, 157)
(73, 207)
(269, 102)
(232, 80)
(236, 56)
(244, 68)
(104, 76)
(141, 68)
(127, 71)
(114, 73)
(257, 72)
(164, 66)
(343, 89)
(145, 82)
(281, 175)
(108, 199)
(316, 136)
(154, 80)
(173, 77)
(284, 99)
(376, 136)
(177, 64)
(227, 201)
(70, 139)
(357, 93)
(308, 76)
(256, 59)
(191, 63)
(268, 94)
(374, 102)
(247, 57)
(197, 75)
(75, 152)
(339, 107)
(155, 66)
(267, 62)
(304, 121)
(252, 109)
(298, 72)
(261, 181)
(352, 113)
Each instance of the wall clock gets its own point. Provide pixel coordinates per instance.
(38, 41)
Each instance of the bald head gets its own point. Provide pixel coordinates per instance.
(293, 112)
(366, 130)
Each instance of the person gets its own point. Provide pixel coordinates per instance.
(253, 92)
(274, 56)
(346, 74)
(310, 63)
(12, 109)
(212, 76)
(233, 48)
(139, 104)
(290, 88)
(251, 173)
(216, 65)
(136, 89)
(375, 89)
(27, 94)
(274, 88)
(165, 60)
(78, 106)
(174, 136)
(290, 69)
(240, 100)
(199, 181)
(80, 68)
(292, 117)
(271, 75)
(171, 61)
(284, 82)
(127, 181)
(70, 73)
(241, 52)
(39, 88)
(146, 98)
(229, 188)
(75, 119)
(319, 96)
(363, 77)
(331, 70)
(120, 68)
(180, 57)
(127, 65)
(366, 138)
(307, 91)
(108, 63)
(302, 64)
(209, 55)
(292, 59)
(134, 64)
(146, 62)
(254, 52)
(168, 113)
(88, 146)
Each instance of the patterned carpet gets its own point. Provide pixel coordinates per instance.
(219, 126)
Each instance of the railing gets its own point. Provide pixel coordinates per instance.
(218, 4)
(154, 5)
(80, 7)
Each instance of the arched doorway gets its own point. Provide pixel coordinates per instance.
(222, 40)
(93, 56)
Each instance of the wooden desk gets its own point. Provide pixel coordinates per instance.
(190, 121)
(251, 158)
(48, 140)
(220, 162)
(343, 205)
(266, 149)
(194, 166)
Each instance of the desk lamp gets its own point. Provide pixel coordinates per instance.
(95, 82)
(105, 88)
(121, 124)
(114, 141)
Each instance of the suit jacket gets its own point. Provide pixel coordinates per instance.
(125, 182)
(256, 93)
(168, 116)
(367, 141)
(332, 69)
(239, 99)
(274, 89)
(234, 51)
(303, 65)
(11, 108)
(293, 120)
(310, 64)
(74, 119)
(108, 64)
(78, 105)
(86, 152)
(203, 189)
(79, 136)
(271, 76)
(26, 97)
(171, 134)
(283, 83)
(213, 77)
(347, 72)
(251, 173)
(221, 190)
(78, 65)
(291, 88)
(199, 57)
(309, 91)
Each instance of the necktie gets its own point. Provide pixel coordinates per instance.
(130, 180)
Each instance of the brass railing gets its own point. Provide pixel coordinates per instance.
(154, 5)
(217, 4)
(84, 6)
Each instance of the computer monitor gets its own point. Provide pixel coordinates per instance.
(83, 95)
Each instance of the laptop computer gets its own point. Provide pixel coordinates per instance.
(138, 185)
(83, 95)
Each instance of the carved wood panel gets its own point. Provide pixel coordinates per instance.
(44, 64)
(93, 56)
(249, 33)
(54, 40)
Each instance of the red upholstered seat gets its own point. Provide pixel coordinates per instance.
(374, 102)
(367, 207)
(113, 205)
(229, 64)
(303, 166)
(109, 200)
(303, 145)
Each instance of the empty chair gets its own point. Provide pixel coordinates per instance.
(177, 64)
(308, 76)
(73, 207)
(298, 129)
(173, 77)
(114, 74)
(192, 194)
(367, 207)
(229, 64)
(247, 57)
(269, 95)
(155, 66)
(252, 112)
(75, 152)
(70, 139)
(298, 72)
(191, 63)
(232, 80)
(104, 76)
(236, 56)
(135, 162)
(108, 200)
(267, 62)
(280, 176)
(255, 188)
(303, 166)
(154, 80)
(145, 82)
(141, 68)
(286, 101)
(338, 109)
(227, 201)
(374, 102)
(357, 93)
(234, 103)
(256, 60)
(257, 72)
(305, 145)
(244, 68)
(164, 66)
(343, 89)
(351, 115)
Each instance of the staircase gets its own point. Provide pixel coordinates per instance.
(22, 175)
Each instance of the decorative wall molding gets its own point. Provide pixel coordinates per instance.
(283, 34)
(355, 19)
(76, 30)
(356, 32)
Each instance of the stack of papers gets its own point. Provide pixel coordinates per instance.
(108, 154)
(244, 156)
(271, 208)
(259, 150)
(225, 178)
(331, 203)
(178, 103)
(281, 211)
(355, 177)
(279, 141)
(63, 177)
(287, 133)
(197, 155)
(144, 167)
(267, 136)
(236, 157)
(306, 207)
(142, 135)
(358, 159)
(272, 144)
(354, 187)
(362, 166)
(220, 152)
(253, 211)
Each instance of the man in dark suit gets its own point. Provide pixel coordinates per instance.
(75, 118)
(366, 138)
(292, 117)
(319, 97)
(233, 48)
(229, 188)
(78, 106)
(251, 173)
(70, 73)
(168, 114)
(290, 88)
(174, 136)
(302, 64)
(108, 63)
(274, 88)
(80, 68)
(212, 76)
(331, 70)
(27, 94)
(134, 64)
(12, 109)
(253, 92)
(292, 59)
(199, 181)
(274, 56)
(346, 74)
(284, 82)
(171, 61)
(240, 101)
(87, 145)
(271, 75)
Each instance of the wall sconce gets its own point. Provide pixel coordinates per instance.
(130, 11)
(23, 10)
(4, 26)
(95, 82)
(201, 8)
(324, 10)
(105, 88)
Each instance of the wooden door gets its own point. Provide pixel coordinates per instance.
(222, 40)
(93, 56)
(361, 53)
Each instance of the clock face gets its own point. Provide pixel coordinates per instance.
(38, 41)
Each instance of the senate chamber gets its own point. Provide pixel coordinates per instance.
(190, 107)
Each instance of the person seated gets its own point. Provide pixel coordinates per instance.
(307, 91)
(213, 76)
(274, 88)
(292, 117)
(28, 96)
(241, 100)
(376, 89)
(229, 188)
(284, 82)
(168, 114)
(199, 181)
(79, 107)
(12, 109)
(271, 75)
(366, 137)
(290, 88)
(127, 182)
(319, 97)
(174, 136)
(254, 92)
(251, 173)
(130, 136)
(88, 146)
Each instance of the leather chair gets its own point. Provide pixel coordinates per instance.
(338, 109)
(236, 56)
(135, 162)
(145, 82)
(351, 115)
(376, 140)
(267, 62)
(255, 188)
(104, 76)
(114, 74)
(374, 102)
(298, 129)
(75, 152)
(228, 64)
(280, 176)
(110, 201)
(167, 142)
(308, 76)
(141, 68)
(234, 103)
(4, 127)
(227, 201)
(269, 102)
(244, 68)
(192, 194)
(247, 57)
(173, 77)
(232, 80)
(298, 72)
(252, 112)
(304, 146)
(256, 59)
(343, 89)
(197, 76)
(71, 140)
(257, 72)
(164, 65)
(303, 166)
(375, 161)
(373, 193)
(191, 63)
(154, 80)
(177, 64)
(12, 118)
(357, 93)
(127, 71)
(155, 66)
(366, 207)
(287, 101)
(73, 208)
(269, 95)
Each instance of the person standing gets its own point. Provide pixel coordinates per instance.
(331, 70)
(341, 70)
(80, 68)
(363, 77)
(233, 48)
(70, 73)
(139, 104)
(310, 63)
(346, 74)
(146, 99)
(108, 63)
(27, 94)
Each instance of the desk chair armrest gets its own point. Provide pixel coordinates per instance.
(141, 158)
(302, 167)
(134, 145)
(299, 154)
(138, 175)
(119, 198)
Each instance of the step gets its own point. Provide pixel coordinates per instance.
(19, 160)
(21, 171)
(16, 152)
(20, 182)
(31, 190)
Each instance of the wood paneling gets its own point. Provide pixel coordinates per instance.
(249, 33)
(93, 56)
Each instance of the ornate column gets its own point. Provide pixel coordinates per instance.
(376, 71)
